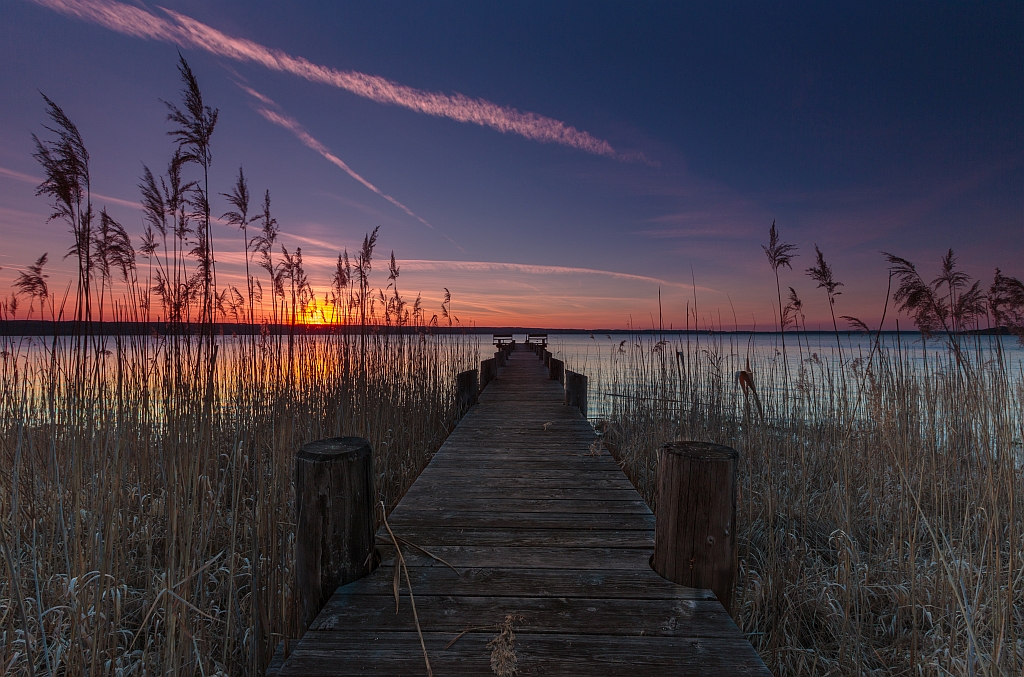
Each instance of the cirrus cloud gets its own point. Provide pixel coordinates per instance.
(185, 31)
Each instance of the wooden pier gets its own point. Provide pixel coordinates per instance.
(542, 528)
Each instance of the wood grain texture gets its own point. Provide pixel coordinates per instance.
(334, 524)
(556, 370)
(576, 391)
(488, 371)
(467, 389)
(695, 537)
(537, 524)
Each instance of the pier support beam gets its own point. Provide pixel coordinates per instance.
(334, 503)
(467, 389)
(556, 370)
(576, 391)
(695, 517)
(488, 371)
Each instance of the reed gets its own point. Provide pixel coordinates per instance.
(146, 481)
(880, 502)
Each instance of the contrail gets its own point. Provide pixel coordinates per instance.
(308, 140)
(537, 269)
(187, 32)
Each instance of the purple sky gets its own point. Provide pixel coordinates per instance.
(552, 164)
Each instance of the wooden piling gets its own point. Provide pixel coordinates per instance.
(556, 370)
(695, 512)
(334, 502)
(467, 388)
(576, 391)
(488, 371)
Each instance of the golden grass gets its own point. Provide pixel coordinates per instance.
(146, 486)
(881, 521)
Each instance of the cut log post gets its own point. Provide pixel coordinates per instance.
(695, 517)
(334, 503)
(467, 388)
(576, 391)
(488, 371)
(556, 370)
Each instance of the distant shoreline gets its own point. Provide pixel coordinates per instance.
(70, 328)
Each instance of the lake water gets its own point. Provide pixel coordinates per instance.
(603, 357)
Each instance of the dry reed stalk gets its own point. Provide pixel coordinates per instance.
(401, 568)
(146, 506)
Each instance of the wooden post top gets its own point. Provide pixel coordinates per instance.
(335, 448)
(704, 451)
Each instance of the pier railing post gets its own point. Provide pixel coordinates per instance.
(695, 517)
(547, 358)
(334, 502)
(488, 370)
(467, 389)
(576, 391)
(556, 370)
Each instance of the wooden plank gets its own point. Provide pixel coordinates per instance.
(508, 502)
(463, 556)
(559, 479)
(393, 653)
(454, 472)
(525, 536)
(560, 615)
(554, 491)
(500, 582)
(450, 519)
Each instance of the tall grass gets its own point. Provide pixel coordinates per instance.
(146, 511)
(146, 482)
(881, 505)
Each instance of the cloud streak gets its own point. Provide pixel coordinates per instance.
(185, 31)
(537, 269)
(309, 141)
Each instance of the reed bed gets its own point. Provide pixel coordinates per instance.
(147, 482)
(880, 501)
(147, 498)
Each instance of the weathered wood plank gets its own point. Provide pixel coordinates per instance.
(567, 582)
(471, 492)
(450, 519)
(370, 653)
(463, 556)
(526, 536)
(509, 502)
(560, 615)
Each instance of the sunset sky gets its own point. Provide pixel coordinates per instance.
(552, 163)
